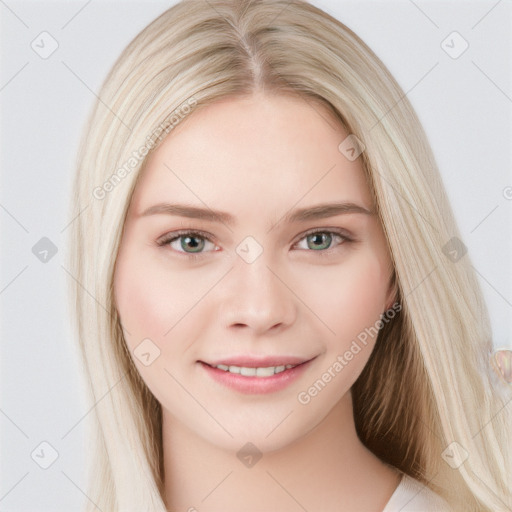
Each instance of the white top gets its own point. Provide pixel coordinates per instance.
(412, 496)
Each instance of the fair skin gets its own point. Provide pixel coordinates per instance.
(305, 299)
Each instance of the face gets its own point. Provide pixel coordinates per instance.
(244, 297)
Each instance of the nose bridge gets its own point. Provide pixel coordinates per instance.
(258, 297)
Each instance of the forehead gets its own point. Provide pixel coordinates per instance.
(253, 154)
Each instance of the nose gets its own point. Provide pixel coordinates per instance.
(257, 298)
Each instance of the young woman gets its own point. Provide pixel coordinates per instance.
(272, 308)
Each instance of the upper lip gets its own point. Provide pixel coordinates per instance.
(248, 361)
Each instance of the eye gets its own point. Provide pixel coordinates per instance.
(188, 242)
(321, 240)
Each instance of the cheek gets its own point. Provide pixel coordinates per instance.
(149, 302)
(350, 298)
(152, 306)
(158, 301)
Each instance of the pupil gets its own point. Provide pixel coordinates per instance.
(189, 240)
(322, 235)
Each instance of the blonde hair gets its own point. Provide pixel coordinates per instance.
(428, 382)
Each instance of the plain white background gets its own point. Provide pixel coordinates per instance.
(464, 104)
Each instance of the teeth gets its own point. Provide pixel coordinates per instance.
(254, 372)
(265, 372)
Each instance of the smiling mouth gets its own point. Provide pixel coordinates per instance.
(256, 374)
(246, 371)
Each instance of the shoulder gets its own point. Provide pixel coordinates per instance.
(412, 496)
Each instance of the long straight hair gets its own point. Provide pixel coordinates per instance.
(428, 395)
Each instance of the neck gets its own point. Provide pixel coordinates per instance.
(324, 469)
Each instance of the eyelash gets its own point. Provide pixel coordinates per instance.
(171, 237)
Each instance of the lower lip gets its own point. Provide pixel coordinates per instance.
(256, 385)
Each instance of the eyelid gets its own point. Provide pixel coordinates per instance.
(343, 233)
(170, 237)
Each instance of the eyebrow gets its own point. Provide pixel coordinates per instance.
(320, 211)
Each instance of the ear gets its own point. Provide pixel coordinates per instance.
(501, 361)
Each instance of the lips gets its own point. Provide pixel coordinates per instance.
(256, 375)
(261, 366)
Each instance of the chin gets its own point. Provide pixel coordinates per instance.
(282, 434)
